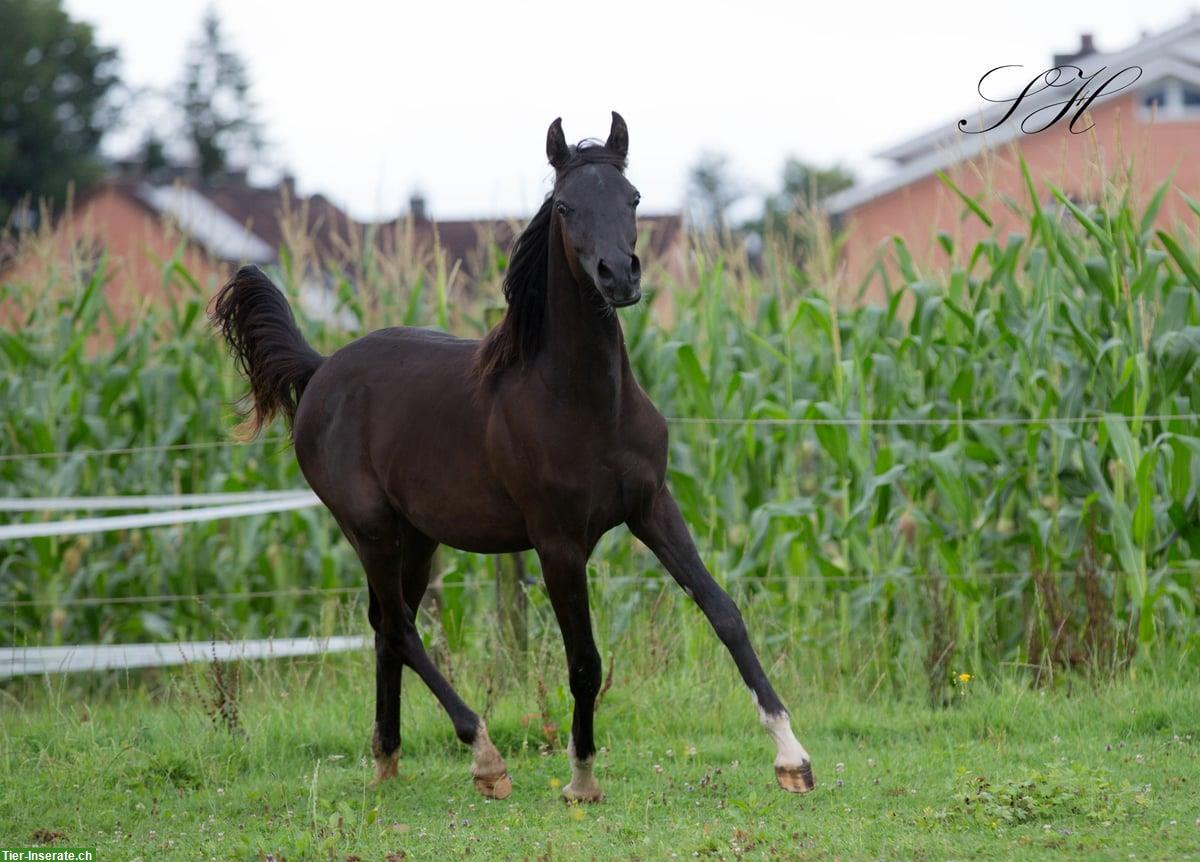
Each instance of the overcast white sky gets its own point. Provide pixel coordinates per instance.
(366, 101)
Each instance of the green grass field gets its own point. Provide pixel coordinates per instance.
(136, 769)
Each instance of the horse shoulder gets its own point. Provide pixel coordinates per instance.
(644, 434)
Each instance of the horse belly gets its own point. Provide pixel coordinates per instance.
(443, 487)
(466, 516)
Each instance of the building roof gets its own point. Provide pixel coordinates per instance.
(260, 210)
(206, 223)
(463, 240)
(1174, 53)
(239, 223)
(232, 220)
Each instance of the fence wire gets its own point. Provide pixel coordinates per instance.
(904, 576)
(595, 580)
(926, 421)
(816, 421)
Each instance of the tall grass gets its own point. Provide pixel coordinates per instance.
(996, 465)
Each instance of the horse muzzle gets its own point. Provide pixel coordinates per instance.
(633, 298)
(620, 284)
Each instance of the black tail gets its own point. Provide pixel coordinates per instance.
(253, 315)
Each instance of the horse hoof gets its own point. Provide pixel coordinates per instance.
(386, 767)
(587, 794)
(795, 779)
(495, 788)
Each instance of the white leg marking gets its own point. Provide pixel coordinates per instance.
(385, 764)
(788, 750)
(793, 768)
(583, 786)
(487, 767)
(482, 746)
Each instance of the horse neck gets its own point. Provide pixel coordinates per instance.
(585, 358)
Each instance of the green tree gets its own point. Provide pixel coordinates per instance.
(804, 186)
(153, 153)
(56, 85)
(218, 112)
(711, 191)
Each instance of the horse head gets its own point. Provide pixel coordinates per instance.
(595, 212)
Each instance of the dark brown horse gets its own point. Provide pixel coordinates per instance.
(538, 437)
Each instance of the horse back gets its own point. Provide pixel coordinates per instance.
(393, 425)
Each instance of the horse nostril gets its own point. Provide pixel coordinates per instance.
(605, 274)
(635, 268)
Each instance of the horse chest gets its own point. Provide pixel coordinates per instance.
(600, 481)
(587, 468)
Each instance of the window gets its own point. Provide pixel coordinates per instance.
(1154, 98)
(1170, 99)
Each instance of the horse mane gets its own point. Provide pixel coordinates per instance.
(518, 337)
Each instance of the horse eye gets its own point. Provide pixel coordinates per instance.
(637, 199)
(562, 208)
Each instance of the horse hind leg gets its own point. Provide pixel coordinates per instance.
(384, 563)
(385, 733)
(397, 644)
(416, 558)
(488, 770)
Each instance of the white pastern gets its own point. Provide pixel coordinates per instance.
(483, 752)
(788, 750)
(583, 786)
(487, 768)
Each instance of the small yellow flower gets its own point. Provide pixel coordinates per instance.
(555, 784)
(576, 812)
(964, 677)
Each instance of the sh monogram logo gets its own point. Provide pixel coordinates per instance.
(1078, 90)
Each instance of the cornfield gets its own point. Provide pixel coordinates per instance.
(997, 464)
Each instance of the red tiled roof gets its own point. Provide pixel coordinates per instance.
(261, 210)
(462, 240)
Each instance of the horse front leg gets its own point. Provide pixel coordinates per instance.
(565, 572)
(661, 527)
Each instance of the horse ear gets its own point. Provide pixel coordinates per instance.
(556, 145)
(618, 136)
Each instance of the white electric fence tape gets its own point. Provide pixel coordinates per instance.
(20, 661)
(299, 500)
(138, 501)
